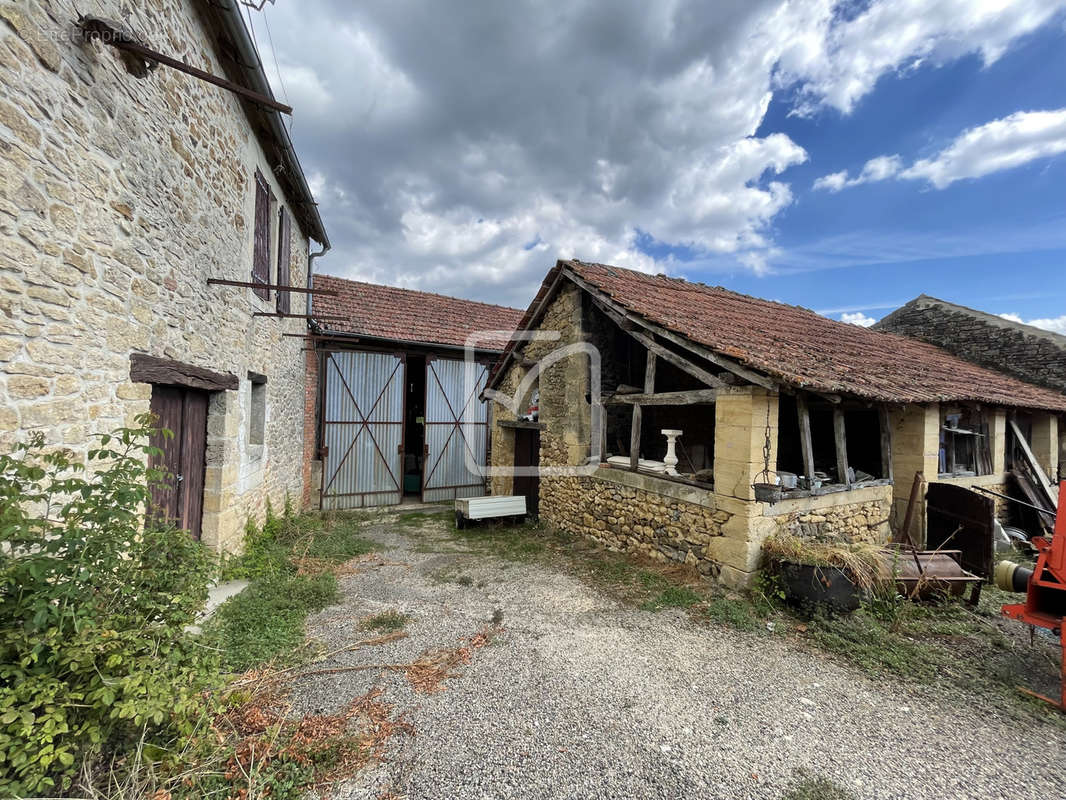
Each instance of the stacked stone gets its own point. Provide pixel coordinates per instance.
(630, 520)
(860, 522)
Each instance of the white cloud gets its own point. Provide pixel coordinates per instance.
(840, 66)
(465, 158)
(833, 182)
(1001, 144)
(876, 169)
(1054, 324)
(857, 318)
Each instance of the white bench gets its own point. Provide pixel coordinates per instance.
(492, 507)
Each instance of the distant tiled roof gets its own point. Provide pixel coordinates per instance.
(804, 349)
(404, 315)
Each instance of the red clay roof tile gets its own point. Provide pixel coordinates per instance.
(804, 349)
(405, 315)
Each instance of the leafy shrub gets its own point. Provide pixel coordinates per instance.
(93, 605)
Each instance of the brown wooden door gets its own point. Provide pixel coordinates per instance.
(183, 411)
(527, 454)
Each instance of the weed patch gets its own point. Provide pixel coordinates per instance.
(292, 563)
(672, 597)
(810, 787)
(736, 613)
(386, 621)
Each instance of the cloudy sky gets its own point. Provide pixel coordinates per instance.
(842, 156)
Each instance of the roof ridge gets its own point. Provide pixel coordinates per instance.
(704, 287)
(414, 291)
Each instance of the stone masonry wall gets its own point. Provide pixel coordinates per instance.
(119, 197)
(865, 521)
(1035, 356)
(637, 520)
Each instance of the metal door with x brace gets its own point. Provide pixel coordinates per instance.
(362, 430)
(457, 426)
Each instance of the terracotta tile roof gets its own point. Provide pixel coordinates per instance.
(804, 349)
(404, 315)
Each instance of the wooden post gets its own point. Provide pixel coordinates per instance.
(805, 435)
(841, 446)
(886, 443)
(634, 433)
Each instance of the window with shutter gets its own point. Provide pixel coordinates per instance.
(283, 258)
(261, 248)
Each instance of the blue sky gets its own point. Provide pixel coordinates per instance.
(996, 242)
(832, 154)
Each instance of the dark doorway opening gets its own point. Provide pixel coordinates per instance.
(414, 427)
(527, 454)
(180, 500)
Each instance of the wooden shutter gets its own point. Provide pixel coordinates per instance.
(284, 235)
(261, 249)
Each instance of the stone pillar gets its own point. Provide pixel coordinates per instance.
(915, 446)
(222, 525)
(1045, 442)
(740, 420)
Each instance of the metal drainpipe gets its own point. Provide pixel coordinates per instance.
(310, 279)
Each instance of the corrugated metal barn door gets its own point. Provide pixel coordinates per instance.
(362, 427)
(457, 424)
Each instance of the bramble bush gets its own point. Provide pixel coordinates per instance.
(94, 657)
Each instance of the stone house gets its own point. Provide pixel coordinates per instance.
(391, 411)
(126, 186)
(1029, 354)
(759, 393)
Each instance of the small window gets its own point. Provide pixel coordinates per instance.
(965, 449)
(284, 252)
(264, 198)
(257, 406)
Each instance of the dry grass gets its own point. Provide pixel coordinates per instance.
(427, 673)
(863, 562)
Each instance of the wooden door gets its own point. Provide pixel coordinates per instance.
(527, 454)
(180, 501)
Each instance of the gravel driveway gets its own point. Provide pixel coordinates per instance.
(579, 696)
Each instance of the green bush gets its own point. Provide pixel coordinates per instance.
(93, 605)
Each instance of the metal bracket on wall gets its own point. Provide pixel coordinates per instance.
(113, 34)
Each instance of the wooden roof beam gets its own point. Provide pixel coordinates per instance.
(709, 355)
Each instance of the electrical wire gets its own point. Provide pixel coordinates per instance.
(274, 54)
(277, 67)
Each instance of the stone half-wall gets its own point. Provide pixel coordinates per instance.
(636, 513)
(859, 515)
(119, 197)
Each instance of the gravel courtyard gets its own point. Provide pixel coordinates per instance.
(576, 695)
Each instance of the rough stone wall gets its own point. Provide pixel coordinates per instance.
(119, 197)
(637, 520)
(1035, 356)
(865, 521)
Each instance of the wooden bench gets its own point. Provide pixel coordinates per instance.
(492, 507)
